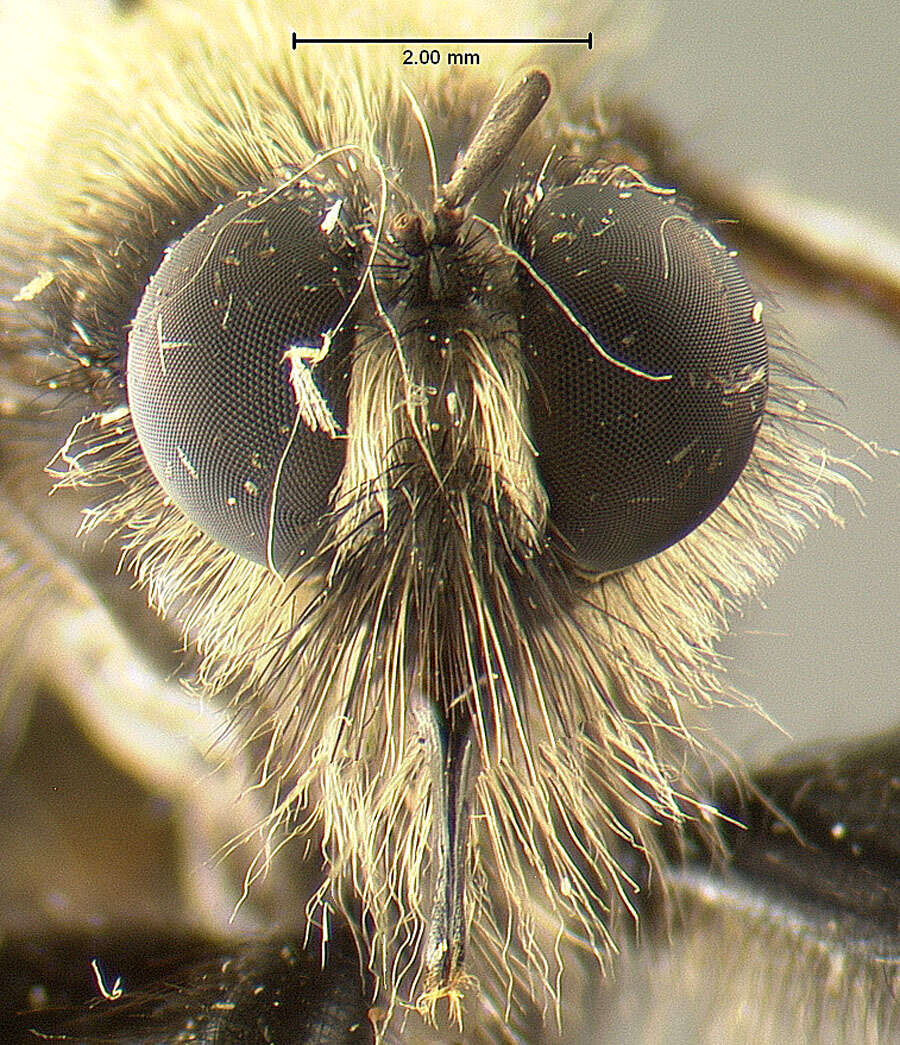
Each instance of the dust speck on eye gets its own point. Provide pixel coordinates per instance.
(330, 220)
(187, 463)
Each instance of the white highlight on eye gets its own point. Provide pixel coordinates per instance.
(311, 403)
(227, 310)
(186, 462)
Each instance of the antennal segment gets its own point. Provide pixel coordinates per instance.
(504, 125)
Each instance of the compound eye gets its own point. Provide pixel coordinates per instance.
(648, 367)
(237, 378)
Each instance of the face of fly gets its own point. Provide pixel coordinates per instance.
(488, 441)
(457, 497)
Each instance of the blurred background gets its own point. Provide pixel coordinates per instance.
(806, 97)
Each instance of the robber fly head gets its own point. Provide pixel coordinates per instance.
(458, 501)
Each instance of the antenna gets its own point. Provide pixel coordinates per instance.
(503, 126)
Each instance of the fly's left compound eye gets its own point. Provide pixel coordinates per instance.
(237, 377)
(648, 367)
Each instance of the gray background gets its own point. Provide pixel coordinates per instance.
(807, 94)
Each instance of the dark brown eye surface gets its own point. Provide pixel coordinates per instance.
(237, 378)
(647, 363)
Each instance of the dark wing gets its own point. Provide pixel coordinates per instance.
(181, 989)
(794, 936)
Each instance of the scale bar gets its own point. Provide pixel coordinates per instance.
(588, 40)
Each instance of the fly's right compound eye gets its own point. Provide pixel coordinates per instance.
(237, 375)
(647, 362)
